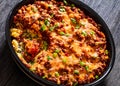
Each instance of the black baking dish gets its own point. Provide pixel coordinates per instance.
(88, 11)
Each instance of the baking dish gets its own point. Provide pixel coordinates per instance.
(88, 11)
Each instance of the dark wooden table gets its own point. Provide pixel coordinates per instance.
(11, 75)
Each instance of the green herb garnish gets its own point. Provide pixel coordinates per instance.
(34, 9)
(45, 45)
(77, 26)
(84, 33)
(55, 55)
(62, 33)
(96, 76)
(62, 9)
(64, 60)
(75, 84)
(92, 32)
(82, 63)
(47, 22)
(87, 68)
(44, 77)
(43, 28)
(57, 74)
(73, 20)
(57, 51)
(49, 58)
(106, 51)
(72, 5)
(65, 2)
(76, 72)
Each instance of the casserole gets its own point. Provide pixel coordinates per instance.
(88, 11)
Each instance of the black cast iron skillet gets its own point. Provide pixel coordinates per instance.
(88, 11)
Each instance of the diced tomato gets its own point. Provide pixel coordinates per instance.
(32, 47)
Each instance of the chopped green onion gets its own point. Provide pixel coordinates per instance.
(49, 6)
(92, 32)
(77, 27)
(72, 5)
(65, 2)
(63, 21)
(31, 62)
(62, 33)
(81, 24)
(45, 45)
(34, 9)
(82, 63)
(55, 55)
(84, 33)
(52, 15)
(49, 58)
(57, 51)
(52, 28)
(67, 35)
(43, 28)
(75, 84)
(73, 20)
(96, 76)
(56, 25)
(64, 60)
(57, 74)
(44, 77)
(106, 52)
(47, 22)
(76, 72)
(62, 9)
(87, 68)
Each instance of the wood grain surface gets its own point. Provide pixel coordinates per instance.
(11, 75)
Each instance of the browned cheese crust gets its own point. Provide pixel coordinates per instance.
(60, 43)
